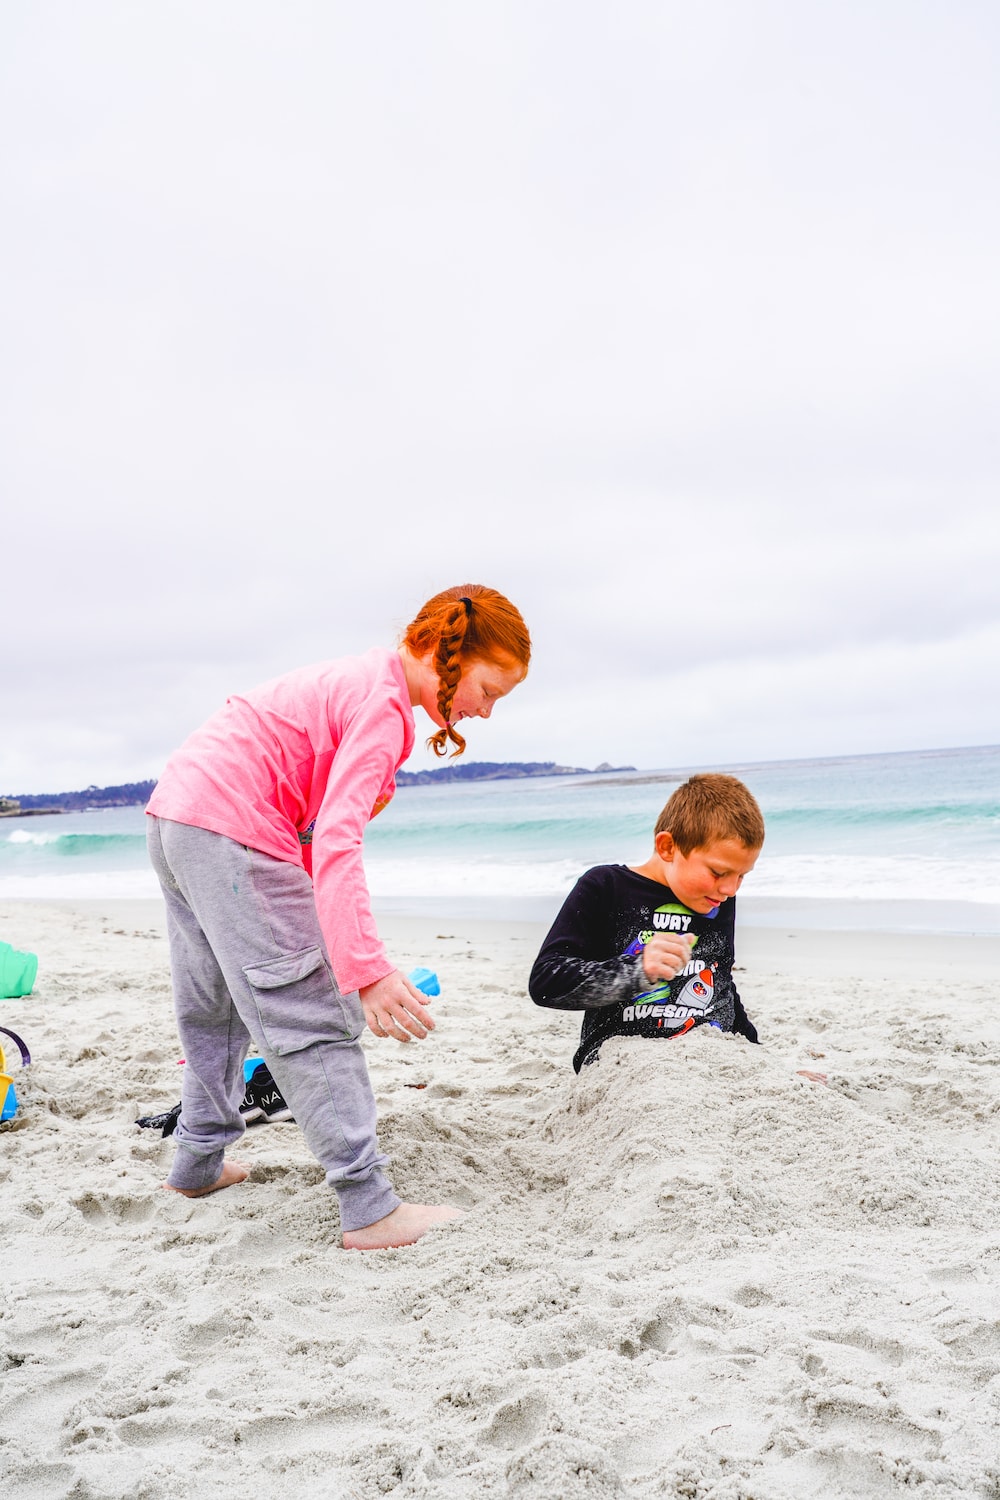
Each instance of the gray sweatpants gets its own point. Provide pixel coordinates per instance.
(248, 962)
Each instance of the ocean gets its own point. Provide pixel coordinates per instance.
(901, 842)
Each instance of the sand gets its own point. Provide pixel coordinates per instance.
(690, 1272)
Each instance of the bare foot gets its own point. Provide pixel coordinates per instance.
(403, 1226)
(232, 1171)
(813, 1077)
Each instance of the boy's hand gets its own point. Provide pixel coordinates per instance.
(666, 954)
(395, 1007)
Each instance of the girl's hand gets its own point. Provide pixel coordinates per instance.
(666, 954)
(395, 1007)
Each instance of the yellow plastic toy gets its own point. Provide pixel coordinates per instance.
(8, 1098)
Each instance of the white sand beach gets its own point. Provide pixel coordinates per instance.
(689, 1272)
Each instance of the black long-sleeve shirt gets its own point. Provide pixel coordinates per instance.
(592, 961)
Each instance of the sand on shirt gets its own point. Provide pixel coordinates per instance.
(687, 1272)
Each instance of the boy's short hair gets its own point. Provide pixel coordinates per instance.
(712, 806)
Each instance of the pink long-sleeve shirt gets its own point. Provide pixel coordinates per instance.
(297, 768)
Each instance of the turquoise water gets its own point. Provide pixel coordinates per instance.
(921, 827)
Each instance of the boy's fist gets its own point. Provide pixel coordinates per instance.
(666, 954)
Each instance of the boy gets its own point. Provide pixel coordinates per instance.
(649, 951)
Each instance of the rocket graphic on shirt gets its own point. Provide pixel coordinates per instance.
(699, 992)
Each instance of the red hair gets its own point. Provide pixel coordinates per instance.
(466, 623)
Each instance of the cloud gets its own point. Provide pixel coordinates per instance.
(678, 325)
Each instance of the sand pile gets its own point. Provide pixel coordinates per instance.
(689, 1272)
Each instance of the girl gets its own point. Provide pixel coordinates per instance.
(255, 834)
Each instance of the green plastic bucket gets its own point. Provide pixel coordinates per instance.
(17, 972)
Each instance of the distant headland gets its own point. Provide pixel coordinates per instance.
(137, 793)
(500, 770)
(28, 805)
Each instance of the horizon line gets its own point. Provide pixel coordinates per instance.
(690, 769)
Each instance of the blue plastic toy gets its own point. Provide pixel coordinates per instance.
(8, 1098)
(425, 980)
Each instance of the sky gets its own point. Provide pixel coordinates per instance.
(677, 323)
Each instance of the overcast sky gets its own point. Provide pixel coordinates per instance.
(677, 322)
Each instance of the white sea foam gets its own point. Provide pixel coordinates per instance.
(863, 877)
(825, 877)
(396, 879)
(821, 877)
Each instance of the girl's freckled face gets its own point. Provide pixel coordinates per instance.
(481, 684)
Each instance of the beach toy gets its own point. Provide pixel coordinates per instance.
(425, 980)
(8, 1098)
(17, 972)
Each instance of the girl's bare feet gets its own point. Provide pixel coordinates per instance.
(403, 1226)
(232, 1171)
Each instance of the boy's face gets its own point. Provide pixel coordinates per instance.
(709, 875)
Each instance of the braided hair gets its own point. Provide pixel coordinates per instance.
(466, 623)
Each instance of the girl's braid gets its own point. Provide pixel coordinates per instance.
(448, 661)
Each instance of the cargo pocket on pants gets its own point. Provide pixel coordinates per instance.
(299, 1004)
